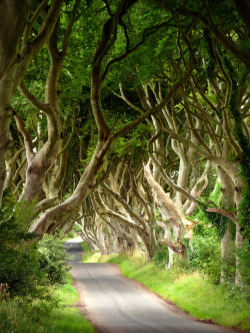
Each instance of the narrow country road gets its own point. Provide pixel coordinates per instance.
(116, 304)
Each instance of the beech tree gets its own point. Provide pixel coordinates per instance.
(127, 118)
(19, 45)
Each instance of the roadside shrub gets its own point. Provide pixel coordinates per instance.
(19, 267)
(27, 265)
(180, 265)
(161, 256)
(243, 254)
(71, 234)
(77, 228)
(52, 257)
(206, 257)
(20, 315)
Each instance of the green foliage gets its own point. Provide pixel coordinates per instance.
(43, 317)
(244, 207)
(77, 228)
(161, 256)
(217, 220)
(228, 265)
(215, 196)
(133, 145)
(19, 261)
(27, 271)
(206, 256)
(243, 254)
(180, 265)
(211, 56)
(15, 318)
(52, 259)
(27, 268)
(19, 267)
(85, 247)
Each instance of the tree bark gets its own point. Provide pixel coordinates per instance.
(225, 253)
(12, 21)
(238, 245)
(169, 211)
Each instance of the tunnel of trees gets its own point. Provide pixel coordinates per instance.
(129, 119)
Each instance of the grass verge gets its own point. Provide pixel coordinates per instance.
(67, 319)
(190, 291)
(64, 319)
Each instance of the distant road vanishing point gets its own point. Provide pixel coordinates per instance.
(116, 304)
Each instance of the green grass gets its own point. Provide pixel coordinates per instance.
(85, 247)
(66, 294)
(67, 320)
(190, 291)
(64, 319)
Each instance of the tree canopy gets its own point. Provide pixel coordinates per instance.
(131, 119)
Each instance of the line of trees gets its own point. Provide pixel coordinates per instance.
(130, 117)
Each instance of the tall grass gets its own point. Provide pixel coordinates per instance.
(191, 291)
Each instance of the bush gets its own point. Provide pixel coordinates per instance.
(161, 256)
(206, 256)
(20, 315)
(243, 254)
(52, 258)
(19, 259)
(180, 265)
(71, 234)
(77, 228)
(27, 266)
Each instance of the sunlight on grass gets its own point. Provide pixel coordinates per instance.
(91, 258)
(68, 320)
(188, 290)
(66, 294)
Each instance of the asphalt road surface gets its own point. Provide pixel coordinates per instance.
(116, 304)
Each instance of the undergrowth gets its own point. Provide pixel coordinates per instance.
(41, 317)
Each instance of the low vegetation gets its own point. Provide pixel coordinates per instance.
(190, 290)
(55, 316)
(35, 286)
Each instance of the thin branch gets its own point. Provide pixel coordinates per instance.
(19, 169)
(26, 135)
(166, 177)
(155, 109)
(208, 132)
(108, 7)
(222, 38)
(30, 50)
(224, 212)
(36, 103)
(234, 143)
(125, 205)
(15, 157)
(136, 192)
(147, 32)
(127, 101)
(31, 22)
(67, 34)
